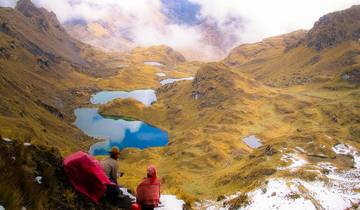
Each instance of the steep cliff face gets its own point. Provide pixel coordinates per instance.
(46, 21)
(335, 28)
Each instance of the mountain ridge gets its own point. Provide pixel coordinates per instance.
(298, 101)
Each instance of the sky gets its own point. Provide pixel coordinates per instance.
(183, 24)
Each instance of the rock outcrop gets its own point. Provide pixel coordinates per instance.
(335, 28)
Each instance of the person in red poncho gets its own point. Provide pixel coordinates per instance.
(148, 191)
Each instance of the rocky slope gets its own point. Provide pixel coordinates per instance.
(44, 74)
(335, 28)
(328, 50)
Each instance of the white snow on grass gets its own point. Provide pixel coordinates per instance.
(215, 205)
(330, 196)
(172, 80)
(153, 63)
(7, 139)
(339, 192)
(344, 149)
(279, 195)
(300, 149)
(327, 166)
(2, 208)
(26, 144)
(38, 179)
(167, 202)
(296, 162)
(170, 202)
(161, 74)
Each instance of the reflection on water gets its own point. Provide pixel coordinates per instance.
(117, 132)
(172, 80)
(252, 141)
(147, 96)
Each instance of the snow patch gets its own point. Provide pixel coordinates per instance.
(297, 162)
(214, 205)
(2, 208)
(172, 80)
(26, 144)
(7, 139)
(339, 192)
(170, 202)
(330, 196)
(327, 166)
(279, 195)
(343, 149)
(300, 149)
(153, 63)
(38, 179)
(161, 74)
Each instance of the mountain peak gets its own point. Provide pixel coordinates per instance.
(40, 16)
(334, 28)
(24, 3)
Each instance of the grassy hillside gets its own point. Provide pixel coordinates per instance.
(285, 90)
(289, 95)
(327, 51)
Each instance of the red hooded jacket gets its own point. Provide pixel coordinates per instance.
(148, 191)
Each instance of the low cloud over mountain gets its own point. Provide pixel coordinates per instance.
(200, 29)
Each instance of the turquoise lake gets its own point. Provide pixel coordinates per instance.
(117, 131)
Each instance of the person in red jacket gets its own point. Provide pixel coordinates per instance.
(148, 191)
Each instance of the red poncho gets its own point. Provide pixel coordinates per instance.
(148, 191)
(86, 175)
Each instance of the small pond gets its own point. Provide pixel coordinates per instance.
(146, 96)
(172, 80)
(117, 132)
(252, 141)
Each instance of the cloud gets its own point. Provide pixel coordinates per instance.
(7, 3)
(200, 29)
(265, 18)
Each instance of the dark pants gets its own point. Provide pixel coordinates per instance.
(112, 193)
(147, 207)
(113, 197)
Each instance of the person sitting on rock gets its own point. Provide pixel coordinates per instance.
(148, 191)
